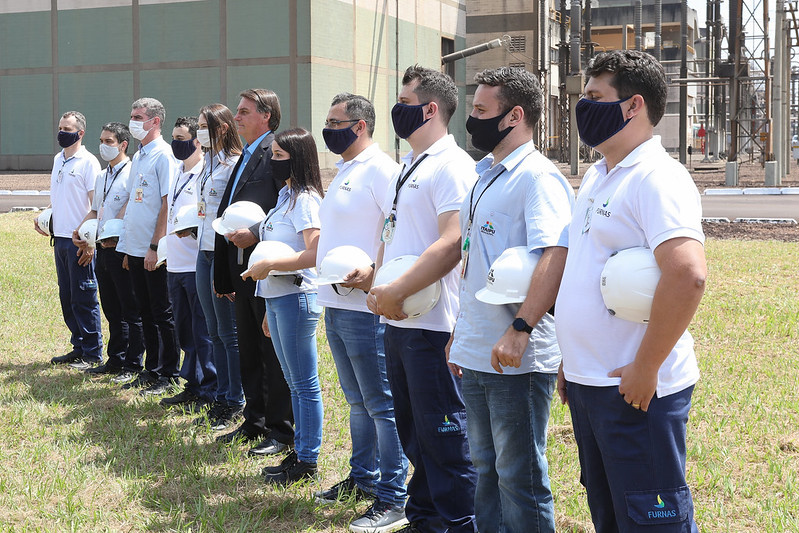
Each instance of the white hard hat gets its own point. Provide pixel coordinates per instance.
(418, 303)
(111, 228)
(628, 284)
(339, 262)
(162, 245)
(45, 221)
(270, 250)
(509, 278)
(186, 218)
(238, 215)
(88, 232)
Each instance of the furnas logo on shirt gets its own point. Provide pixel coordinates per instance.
(661, 511)
(413, 184)
(447, 426)
(345, 186)
(487, 228)
(602, 211)
(606, 202)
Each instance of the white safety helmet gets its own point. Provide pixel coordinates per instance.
(88, 232)
(509, 277)
(418, 303)
(186, 218)
(270, 250)
(45, 221)
(628, 284)
(162, 246)
(339, 262)
(238, 215)
(111, 228)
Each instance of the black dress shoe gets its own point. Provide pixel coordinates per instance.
(240, 433)
(288, 461)
(70, 357)
(268, 446)
(299, 471)
(142, 380)
(105, 368)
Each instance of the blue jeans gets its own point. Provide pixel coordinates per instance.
(507, 418)
(431, 423)
(198, 366)
(220, 319)
(378, 464)
(292, 323)
(632, 463)
(77, 290)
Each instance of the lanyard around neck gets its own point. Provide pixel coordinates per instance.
(401, 181)
(106, 186)
(176, 192)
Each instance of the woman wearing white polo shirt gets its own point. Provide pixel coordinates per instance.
(291, 310)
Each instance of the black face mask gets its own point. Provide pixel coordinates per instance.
(67, 138)
(599, 121)
(485, 135)
(338, 141)
(281, 170)
(183, 149)
(407, 119)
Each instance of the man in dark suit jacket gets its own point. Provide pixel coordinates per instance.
(267, 413)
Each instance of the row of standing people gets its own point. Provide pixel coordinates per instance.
(470, 383)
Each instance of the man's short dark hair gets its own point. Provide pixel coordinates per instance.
(634, 72)
(517, 87)
(357, 107)
(266, 101)
(434, 86)
(190, 123)
(120, 131)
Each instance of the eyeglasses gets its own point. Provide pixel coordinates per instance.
(332, 123)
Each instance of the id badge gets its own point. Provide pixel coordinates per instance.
(465, 254)
(201, 209)
(588, 212)
(388, 229)
(139, 196)
(100, 213)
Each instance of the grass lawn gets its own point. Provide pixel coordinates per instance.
(79, 454)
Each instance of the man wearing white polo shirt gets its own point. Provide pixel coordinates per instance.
(71, 193)
(351, 215)
(629, 384)
(144, 224)
(508, 354)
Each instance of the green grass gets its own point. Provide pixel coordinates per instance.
(78, 454)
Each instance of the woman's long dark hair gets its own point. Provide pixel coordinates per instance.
(301, 147)
(228, 142)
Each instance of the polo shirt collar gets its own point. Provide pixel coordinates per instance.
(511, 161)
(444, 143)
(645, 150)
(364, 155)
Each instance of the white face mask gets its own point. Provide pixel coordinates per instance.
(204, 136)
(108, 153)
(136, 128)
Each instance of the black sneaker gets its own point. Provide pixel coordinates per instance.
(287, 462)
(105, 368)
(82, 365)
(70, 357)
(184, 397)
(124, 377)
(143, 379)
(343, 491)
(381, 517)
(161, 386)
(299, 471)
(410, 528)
(225, 418)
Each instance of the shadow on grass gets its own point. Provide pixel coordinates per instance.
(171, 465)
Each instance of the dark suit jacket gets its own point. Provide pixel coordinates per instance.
(256, 185)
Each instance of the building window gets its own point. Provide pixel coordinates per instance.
(448, 47)
(518, 43)
(516, 65)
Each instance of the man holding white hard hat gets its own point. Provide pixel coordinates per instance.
(628, 382)
(504, 342)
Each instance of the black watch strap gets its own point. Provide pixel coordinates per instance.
(153, 247)
(520, 324)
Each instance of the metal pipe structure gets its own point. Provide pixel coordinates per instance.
(736, 30)
(684, 87)
(574, 94)
(768, 150)
(720, 120)
(637, 21)
(658, 28)
(466, 52)
(778, 131)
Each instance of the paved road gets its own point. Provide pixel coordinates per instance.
(7, 202)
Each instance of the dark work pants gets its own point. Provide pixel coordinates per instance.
(125, 345)
(268, 408)
(160, 339)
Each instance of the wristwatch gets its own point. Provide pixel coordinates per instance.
(153, 247)
(520, 324)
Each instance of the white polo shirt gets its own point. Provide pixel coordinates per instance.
(647, 199)
(70, 183)
(210, 187)
(111, 192)
(438, 185)
(523, 200)
(152, 168)
(351, 214)
(181, 253)
(285, 223)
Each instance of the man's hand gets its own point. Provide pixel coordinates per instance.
(150, 259)
(360, 278)
(265, 327)
(561, 386)
(125, 263)
(242, 238)
(76, 240)
(509, 349)
(85, 255)
(37, 228)
(183, 233)
(638, 384)
(454, 369)
(387, 302)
